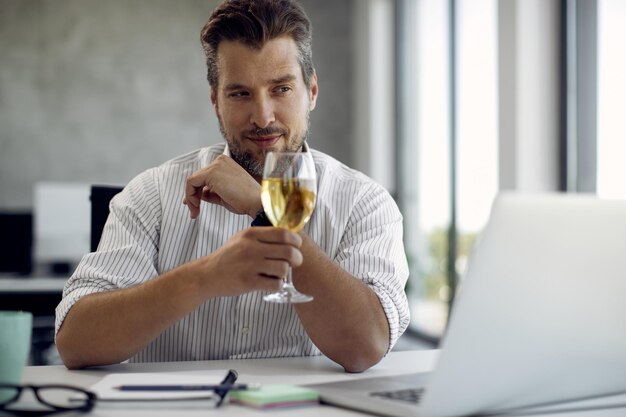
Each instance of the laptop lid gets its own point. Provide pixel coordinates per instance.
(540, 317)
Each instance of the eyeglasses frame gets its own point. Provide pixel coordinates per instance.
(89, 404)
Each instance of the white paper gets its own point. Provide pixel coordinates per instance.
(106, 389)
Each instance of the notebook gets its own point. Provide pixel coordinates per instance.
(540, 317)
(109, 394)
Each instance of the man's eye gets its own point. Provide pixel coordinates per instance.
(283, 89)
(236, 94)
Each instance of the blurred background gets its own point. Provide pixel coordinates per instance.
(444, 102)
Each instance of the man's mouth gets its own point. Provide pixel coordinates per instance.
(265, 141)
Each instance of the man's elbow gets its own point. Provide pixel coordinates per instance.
(364, 358)
(67, 352)
(360, 363)
(73, 350)
(74, 358)
(73, 365)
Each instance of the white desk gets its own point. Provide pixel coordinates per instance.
(308, 370)
(37, 294)
(11, 285)
(29, 284)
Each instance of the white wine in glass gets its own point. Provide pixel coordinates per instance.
(288, 195)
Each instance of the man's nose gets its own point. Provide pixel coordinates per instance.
(262, 114)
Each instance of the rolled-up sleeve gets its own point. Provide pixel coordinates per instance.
(372, 249)
(127, 253)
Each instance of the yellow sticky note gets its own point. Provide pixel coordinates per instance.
(275, 396)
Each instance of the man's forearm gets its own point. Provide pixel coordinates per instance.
(345, 320)
(110, 327)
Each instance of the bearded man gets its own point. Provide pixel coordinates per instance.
(180, 274)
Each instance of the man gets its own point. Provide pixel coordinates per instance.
(174, 281)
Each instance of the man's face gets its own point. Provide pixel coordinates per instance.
(262, 102)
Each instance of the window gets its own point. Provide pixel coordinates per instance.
(594, 69)
(425, 187)
(447, 143)
(477, 120)
(448, 122)
(611, 139)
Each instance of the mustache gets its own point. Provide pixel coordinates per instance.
(266, 131)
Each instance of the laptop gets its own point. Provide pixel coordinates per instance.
(540, 317)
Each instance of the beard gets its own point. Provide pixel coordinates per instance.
(254, 162)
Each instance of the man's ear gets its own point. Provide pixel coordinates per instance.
(214, 102)
(313, 91)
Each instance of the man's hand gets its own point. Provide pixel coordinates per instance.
(112, 326)
(226, 183)
(252, 260)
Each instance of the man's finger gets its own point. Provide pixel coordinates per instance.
(268, 283)
(194, 186)
(276, 268)
(269, 234)
(284, 253)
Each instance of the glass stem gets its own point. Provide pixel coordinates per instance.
(287, 282)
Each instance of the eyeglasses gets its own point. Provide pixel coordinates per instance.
(57, 397)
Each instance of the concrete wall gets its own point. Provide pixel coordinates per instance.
(97, 91)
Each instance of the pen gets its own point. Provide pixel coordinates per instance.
(229, 381)
(234, 387)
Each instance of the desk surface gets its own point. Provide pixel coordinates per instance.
(37, 294)
(28, 284)
(307, 370)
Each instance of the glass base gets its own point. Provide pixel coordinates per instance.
(288, 295)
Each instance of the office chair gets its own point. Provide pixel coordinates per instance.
(100, 197)
(16, 242)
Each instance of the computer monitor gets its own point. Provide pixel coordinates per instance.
(62, 224)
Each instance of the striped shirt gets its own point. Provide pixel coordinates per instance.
(149, 231)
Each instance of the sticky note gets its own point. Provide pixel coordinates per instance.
(275, 396)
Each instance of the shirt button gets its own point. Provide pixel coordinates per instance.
(245, 330)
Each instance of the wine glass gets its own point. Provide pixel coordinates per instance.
(288, 194)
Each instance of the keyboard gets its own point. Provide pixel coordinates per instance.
(412, 395)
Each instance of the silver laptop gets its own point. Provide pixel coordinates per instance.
(540, 317)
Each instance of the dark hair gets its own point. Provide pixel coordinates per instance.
(255, 22)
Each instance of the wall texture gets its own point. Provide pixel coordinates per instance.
(96, 91)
